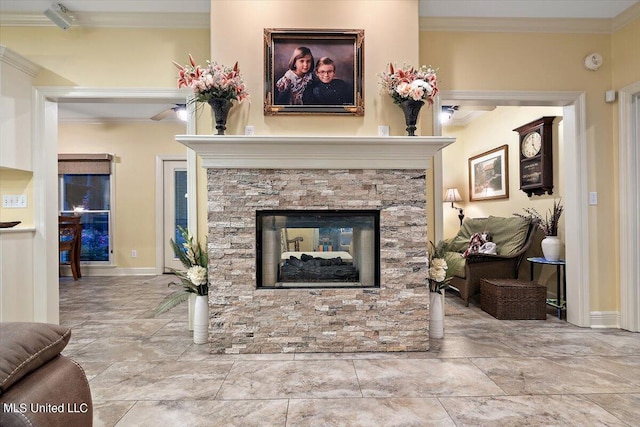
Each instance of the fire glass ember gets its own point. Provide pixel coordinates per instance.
(318, 248)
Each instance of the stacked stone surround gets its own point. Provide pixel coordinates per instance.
(244, 319)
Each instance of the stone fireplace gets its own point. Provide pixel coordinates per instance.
(265, 177)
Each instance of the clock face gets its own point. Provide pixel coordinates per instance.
(531, 144)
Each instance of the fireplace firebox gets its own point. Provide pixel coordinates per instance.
(317, 248)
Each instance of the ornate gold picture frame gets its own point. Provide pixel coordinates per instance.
(313, 71)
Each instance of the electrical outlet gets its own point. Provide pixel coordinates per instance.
(383, 130)
(134, 254)
(249, 130)
(593, 198)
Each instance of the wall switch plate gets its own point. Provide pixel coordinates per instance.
(383, 130)
(14, 201)
(249, 130)
(610, 96)
(593, 198)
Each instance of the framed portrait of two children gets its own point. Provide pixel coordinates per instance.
(313, 71)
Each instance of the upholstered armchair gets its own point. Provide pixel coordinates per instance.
(512, 236)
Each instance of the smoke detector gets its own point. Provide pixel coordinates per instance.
(593, 61)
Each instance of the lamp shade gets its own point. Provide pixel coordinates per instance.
(452, 195)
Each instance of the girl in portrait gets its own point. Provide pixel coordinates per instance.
(291, 86)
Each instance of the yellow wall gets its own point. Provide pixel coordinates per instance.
(15, 182)
(99, 57)
(626, 54)
(391, 33)
(490, 131)
(553, 62)
(135, 147)
(466, 61)
(626, 71)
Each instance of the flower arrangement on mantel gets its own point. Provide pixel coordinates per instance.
(212, 81)
(548, 224)
(193, 280)
(439, 274)
(409, 83)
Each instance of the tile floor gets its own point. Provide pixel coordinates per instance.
(485, 372)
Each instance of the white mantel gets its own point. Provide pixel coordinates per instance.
(315, 152)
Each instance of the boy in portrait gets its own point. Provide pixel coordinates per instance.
(325, 88)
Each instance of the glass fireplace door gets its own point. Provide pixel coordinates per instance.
(331, 248)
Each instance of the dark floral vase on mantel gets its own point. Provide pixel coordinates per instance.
(411, 110)
(220, 107)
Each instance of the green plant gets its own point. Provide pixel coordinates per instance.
(439, 273)
(548, 224)
(193, 280)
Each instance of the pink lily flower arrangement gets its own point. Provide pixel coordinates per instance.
(410, 83)
(212, 81)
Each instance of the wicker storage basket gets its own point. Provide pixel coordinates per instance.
(512, 299)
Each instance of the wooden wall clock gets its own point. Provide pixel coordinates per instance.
(536, 156)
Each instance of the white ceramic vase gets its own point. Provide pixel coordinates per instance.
(192, 307)
(201, 320)
(551, 247)
(436, 315)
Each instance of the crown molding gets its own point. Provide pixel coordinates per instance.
(112, 20)
(629, 15)
(202, 20)
(7, 56)
(517, 25)
(114, 120)
(11, 19)
(114, 94)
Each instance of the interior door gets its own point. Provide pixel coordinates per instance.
(174, 208)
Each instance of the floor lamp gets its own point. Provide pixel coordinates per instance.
(453, 195)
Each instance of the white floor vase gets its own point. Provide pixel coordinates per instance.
(436, 315)
(201, 320)
(192, 306)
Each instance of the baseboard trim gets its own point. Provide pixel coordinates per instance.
(605, 319)
(109, 270)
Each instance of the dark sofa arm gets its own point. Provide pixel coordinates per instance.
(495, 268)
(476, 258)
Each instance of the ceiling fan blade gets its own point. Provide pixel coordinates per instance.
(477, 107)
(163, 114)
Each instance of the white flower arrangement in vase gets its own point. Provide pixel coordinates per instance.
(193, 280)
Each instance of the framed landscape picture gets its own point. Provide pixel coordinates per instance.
(489, 175)
(313, 71)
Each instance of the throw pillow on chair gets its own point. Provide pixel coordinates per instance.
(477, 244)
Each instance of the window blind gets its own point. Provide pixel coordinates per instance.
(84, 164)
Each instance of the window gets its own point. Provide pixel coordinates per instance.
(85, 190)
(180, 207)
